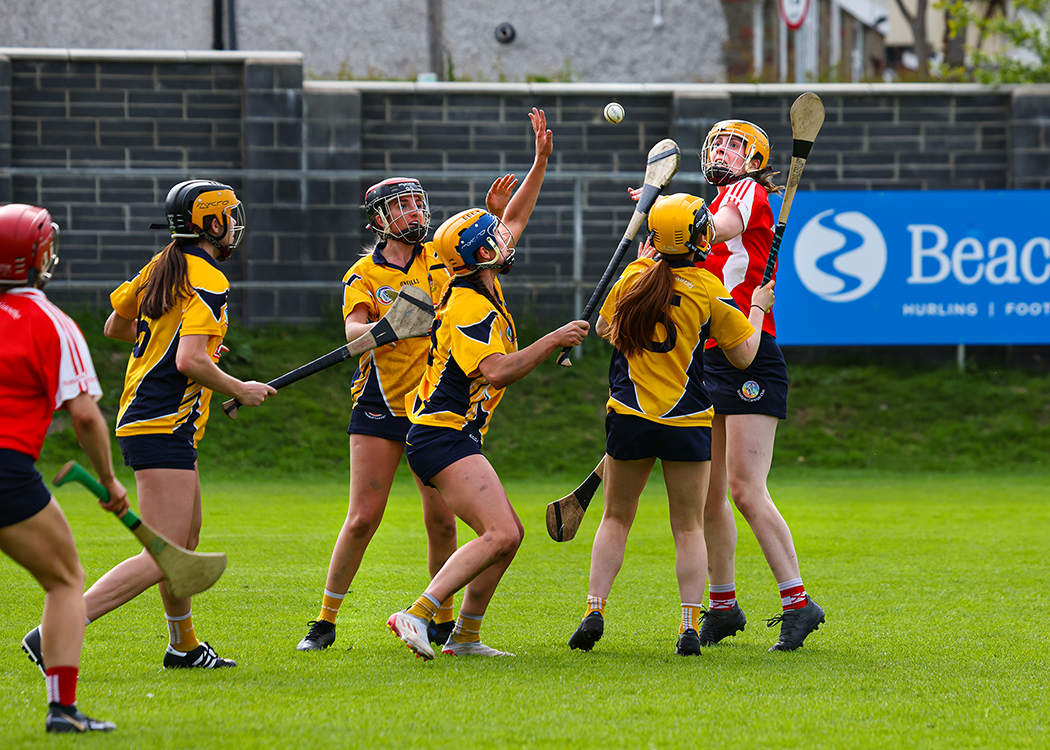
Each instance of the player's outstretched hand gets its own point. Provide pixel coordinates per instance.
(255, 393)
(571, 334)
(499, 195)
(118, 496)
(544, 137)
(763, 296)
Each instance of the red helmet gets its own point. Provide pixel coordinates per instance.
(28, 245)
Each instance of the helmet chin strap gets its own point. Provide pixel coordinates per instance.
(221, 253)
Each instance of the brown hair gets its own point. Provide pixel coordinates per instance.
(641, 307)
(168, 282)
(764, 177)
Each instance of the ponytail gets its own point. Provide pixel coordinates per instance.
(764, 177)
(641, 307)
(168, 282)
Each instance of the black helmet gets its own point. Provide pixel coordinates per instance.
(190, 204)
(383, 207)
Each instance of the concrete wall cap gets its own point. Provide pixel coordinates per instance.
(643, 89)
(159, 56)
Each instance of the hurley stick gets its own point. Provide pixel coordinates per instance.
(186, 573)
(565, 516)
(807, 115)
(660, 167)
(410, 316)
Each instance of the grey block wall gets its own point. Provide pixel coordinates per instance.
(99, 137)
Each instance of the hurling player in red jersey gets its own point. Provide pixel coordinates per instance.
(748, 403)
(399, 214)
(45, 365)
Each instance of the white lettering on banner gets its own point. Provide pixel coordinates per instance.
(969, 263)
(1026, 260)
(968, 249)
(1008, 260)
(918, 253)
(940, 310)
(1028, 308)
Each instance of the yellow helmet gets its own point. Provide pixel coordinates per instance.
(729, 150)
(681, 223)
(458, 240)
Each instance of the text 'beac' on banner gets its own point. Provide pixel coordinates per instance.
(909, 267)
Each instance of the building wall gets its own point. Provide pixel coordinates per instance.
(99, 139)
(596, 40)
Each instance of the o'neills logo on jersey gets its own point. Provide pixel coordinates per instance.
(386, 295)
(373, 415)
(751, 391)
(510, 334)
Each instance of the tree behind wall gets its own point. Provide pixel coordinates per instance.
(917, 23)
(1025, 31)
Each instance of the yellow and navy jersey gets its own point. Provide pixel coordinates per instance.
(665, 382)
(386, 374)
(453, 393)
(158, 399)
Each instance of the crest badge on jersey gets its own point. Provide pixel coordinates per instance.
(751, 391)
(386, 295)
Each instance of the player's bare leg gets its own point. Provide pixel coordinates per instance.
(749, 454)
(43, 544)
(169, 501)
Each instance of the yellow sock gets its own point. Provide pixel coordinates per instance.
(330, 606)
(180, 632)
(595, 604)
(690, 617)
(444, 613)
(425, 607)
(468, 628)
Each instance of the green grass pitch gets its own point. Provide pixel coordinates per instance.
(936, 588)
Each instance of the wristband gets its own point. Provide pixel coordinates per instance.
(761, 308)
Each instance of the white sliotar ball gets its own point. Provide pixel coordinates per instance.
(614, 112)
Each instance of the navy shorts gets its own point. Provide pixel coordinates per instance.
(385, 426)
(23, 493)
(157, 452)
(760, 389)
(432, 449)
(631, 438)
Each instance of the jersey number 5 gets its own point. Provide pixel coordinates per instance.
(142, 339)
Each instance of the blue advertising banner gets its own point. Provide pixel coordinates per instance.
(937, 267)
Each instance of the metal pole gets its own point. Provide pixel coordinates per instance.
(436, 38)
(577, 253)
(231, 23)
(960, 357)
(216, 24)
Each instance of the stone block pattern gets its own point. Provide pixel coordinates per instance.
(100, 142)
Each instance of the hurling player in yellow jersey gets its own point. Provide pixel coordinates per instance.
(658, 316)
(399, 214)
(174, 312)
(473, 357)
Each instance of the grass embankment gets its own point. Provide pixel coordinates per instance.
(869, 413)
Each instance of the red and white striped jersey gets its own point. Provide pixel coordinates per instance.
(44, 362)
(740, 263)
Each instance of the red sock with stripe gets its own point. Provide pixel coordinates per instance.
(792, 594)
(721, 596)
(62, 685)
